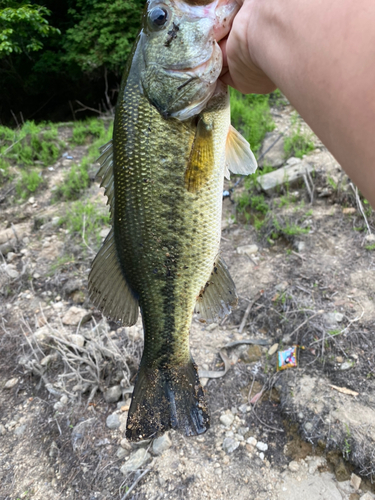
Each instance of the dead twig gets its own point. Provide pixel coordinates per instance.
(146, 471)
(86, 108)
(247, 312)
(311, 194)
(360, 206)
(306, 321)
(217, 374)
(109, 104)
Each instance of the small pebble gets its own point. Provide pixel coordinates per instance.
(273, 349)
(355, 481)
(113, 394)
(346, 366)
(11, 383)
(227, 419)
(20, 430)
(113, 421)
(251, 441)
(262, 446)
(230, 444)
(125, 444)
(293, 466)
(161, 444)
(122, 452)
(136, 460)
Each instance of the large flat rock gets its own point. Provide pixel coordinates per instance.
(284, 175)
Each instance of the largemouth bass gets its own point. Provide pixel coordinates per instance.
(163, 175)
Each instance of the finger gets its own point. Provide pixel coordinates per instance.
(223, 46)
(227, 79)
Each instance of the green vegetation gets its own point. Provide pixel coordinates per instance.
(77, 179)
(22, 27)
(57, 51)
(332, 183)
(347, 446)
(287, 228)
(30, 148)
(298, 143)
(29, 182)
(113, 27)
(87, 130)
(31, 143)
(33, 147)
(250, 115)
(85, 220)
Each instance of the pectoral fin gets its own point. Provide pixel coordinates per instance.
(108, 288)
(238, 156)
(201, 161)
(218, 297)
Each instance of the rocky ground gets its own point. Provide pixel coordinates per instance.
(305, 276)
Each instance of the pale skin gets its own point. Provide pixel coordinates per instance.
(321, 54)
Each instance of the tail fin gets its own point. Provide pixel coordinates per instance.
(165, 399)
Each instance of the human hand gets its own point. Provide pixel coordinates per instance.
(240, 68)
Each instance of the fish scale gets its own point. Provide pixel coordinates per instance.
(190, 237)
(163, 175)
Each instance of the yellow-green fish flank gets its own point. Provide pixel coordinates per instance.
(163, 175)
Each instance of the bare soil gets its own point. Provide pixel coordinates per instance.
(312, 426)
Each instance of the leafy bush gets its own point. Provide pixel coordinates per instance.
(29, 182)
(75, 181)
(86, 217)
(103, 33)
(82, 131)
(22, 26)
(250, 114)
(298, 143)
(45, 67)
(30, 143)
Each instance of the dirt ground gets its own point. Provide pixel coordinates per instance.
(66, 374)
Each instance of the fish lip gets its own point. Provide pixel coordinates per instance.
(179, 68)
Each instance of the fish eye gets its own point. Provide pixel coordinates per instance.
(157, 18)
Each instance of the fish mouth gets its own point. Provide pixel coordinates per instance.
(180, 68)
(201, 70)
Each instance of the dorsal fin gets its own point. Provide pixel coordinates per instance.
(238, 156)
(108, 288)
(105, 173)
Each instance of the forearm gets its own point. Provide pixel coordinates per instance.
(322, 56)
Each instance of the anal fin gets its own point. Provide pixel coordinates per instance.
(108, 288)
(218, 297)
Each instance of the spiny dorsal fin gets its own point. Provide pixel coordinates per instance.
(105, 173)
(218, 297)
(108, 288)
(238, 156)
(201, 161)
